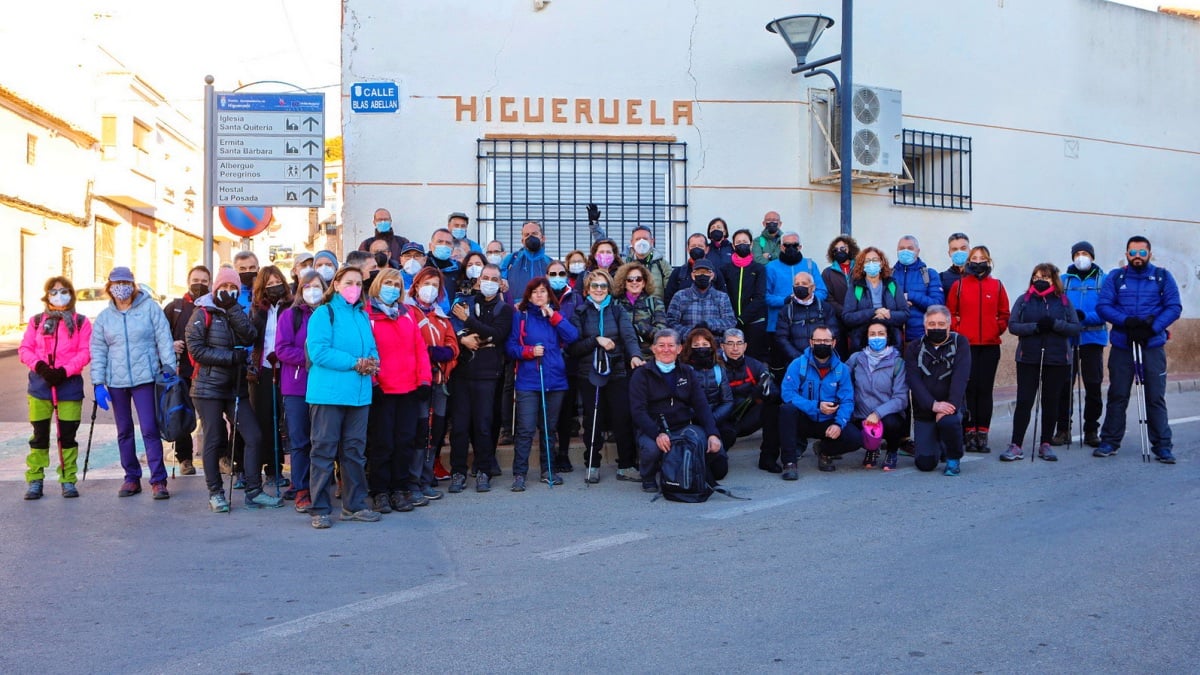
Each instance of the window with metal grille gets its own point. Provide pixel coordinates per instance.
(552, 182)
(941, 171)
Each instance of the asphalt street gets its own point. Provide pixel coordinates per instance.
(1084, 565)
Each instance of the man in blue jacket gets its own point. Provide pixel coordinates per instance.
(526, 263)
(1140, 301)
(818, 398)
(921, 285)
(782, 272)
(1082, 282)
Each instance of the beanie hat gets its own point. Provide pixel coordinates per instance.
(1084, 246)
(326, 254)
(226, 275)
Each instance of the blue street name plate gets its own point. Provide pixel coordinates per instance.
(375, 97)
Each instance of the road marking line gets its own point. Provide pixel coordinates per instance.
(743, 509)
(356, 610)
(593, 545)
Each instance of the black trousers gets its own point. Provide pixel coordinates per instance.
(184, 449)
(391, 439)
(984, 361)
(269, 415)
(612, 414)
(1053, 380)
(215, 414)
(472, 423)
(1089, 360)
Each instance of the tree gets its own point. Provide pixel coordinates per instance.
(333, 149)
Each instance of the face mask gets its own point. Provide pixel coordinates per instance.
(822, 351)
(936, 336)
(351, 294)
(959, 258)
(605, 259)
(533, 244)
(384, 226)
(873, 268)
(702, 282)
(247, 278)
(473, 271)
(801, 292)
(226, 299)
(791, 256)
(489, 288)
(576, 268)
(198, 290)
(412, 266)
(381, 259)
(1083, 263)
(906, 257)
(370, 279)
(60, 298)
(1041, 285)
(313, 295)
(772, 227)
(877, 343)
(841, 256)
(665, 367)
(702, 356)
(326, 272)
(427, 294)
(274, 293)
(716, 236)
(121, 292)
(495, 258)
(742, 250)
(695, 253)
(979, 269)
(441, 252)
(389, 295)
(642, 246)
(459, 233)
(558, 283)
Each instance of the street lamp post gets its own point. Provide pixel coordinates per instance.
(801, 32)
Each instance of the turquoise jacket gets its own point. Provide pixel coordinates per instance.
(339, 334)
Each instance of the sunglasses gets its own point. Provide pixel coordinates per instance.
(556, 274)
(598, 285)
(634, 280)
(1139, 253)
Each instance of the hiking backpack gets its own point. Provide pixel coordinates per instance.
(684, 472)
(173, 409)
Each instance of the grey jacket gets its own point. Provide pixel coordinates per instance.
(883, 390)
(130, 348)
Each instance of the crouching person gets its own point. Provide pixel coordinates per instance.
(938, 366)
(668, 400)
(818, 397)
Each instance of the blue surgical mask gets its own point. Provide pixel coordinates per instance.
(877, 343)
(389, 295)
(459, 233)
(873, 268)
(906, 257)
(959, 258)
(558, 283)
(441, 252)
(384, 226)
(664, 367)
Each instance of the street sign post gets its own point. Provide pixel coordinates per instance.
(268, 149)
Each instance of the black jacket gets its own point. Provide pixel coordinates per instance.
(745, 377)
(212, 335)
(179, 313)
(676, 398)
(1051, 348)
(618, 327)
(937, 374)
(492, 322)
(796, 323)
(858, 309)
(747, 289)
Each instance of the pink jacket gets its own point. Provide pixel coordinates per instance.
(63, 349)
(403, 358)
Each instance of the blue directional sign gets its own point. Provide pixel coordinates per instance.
(271, 102)
(375, 97)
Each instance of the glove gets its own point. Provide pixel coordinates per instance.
(169, 372)
(41, 369)
(593, 213)
(1045, 324)
(424, 392)
(102, 397)
(1079, 313)
(56, 376)
(441, 354)
(1132, 322)
(1140, 334)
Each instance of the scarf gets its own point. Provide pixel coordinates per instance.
(54, 316)
(600, 306)
(632, 298)
(875, 358)
(390, 311)
(1034, 291)
(739, 261)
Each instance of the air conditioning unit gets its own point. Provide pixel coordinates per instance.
(876, 130)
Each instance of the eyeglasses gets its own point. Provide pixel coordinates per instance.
(495, 252)
(867, 260)
(731, 343)
(598, 284)
(634, 280)
(556, 274)
(815, 341)
(1140, 253)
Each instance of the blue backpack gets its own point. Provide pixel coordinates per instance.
(684, 471)
(173, 408)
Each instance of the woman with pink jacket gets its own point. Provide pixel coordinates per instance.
(55, 348)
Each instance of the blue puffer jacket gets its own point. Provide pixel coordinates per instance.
(530, 329)
(1130, 292)
(1083, 290)
(922, 285)
(779, 286)
(339, 334)
(131, 347)
(805, 389)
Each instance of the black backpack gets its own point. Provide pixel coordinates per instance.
(173, 410)
(684, 472)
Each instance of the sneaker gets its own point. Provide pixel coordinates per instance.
(160, 490)
(1091, 439)
(908, 448)
(320, 522)
(546, 479)
(789, 471)
(1163, 455)
(69, 491)
(431, 494)
(1012, 454)
(951, 468)
(1104, 451)
(380, 503)
(303, 501)
(629, 473)
(225, 467)
(483, 482)
(290, 494)
(518, 483)
(416, 498)
(262, 500)
(506, 438)
(276, 481)
(457, 483)
(1046, 453)
(129, 488)
(398, 503)
(439, 471)
(363, 516)
(239, 483)
(217, 502)
(649, 486)
(871, 459)
(34, 491)
(825, 463)
(1060, 439)
(564, 466)
(187, 468)
(593, 475)
(770, 466)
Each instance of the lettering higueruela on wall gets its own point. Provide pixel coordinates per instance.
(556, 110)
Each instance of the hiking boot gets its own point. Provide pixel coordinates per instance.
(483, 482)
(320, 522)
(276, 481)
(908, 448)
(303, 501)
(261, 500)
(187, 468)
(506, 438)
(380, 503)
(431, 494)
(557, 480)
(457, 483)
(416, 499)
(34, 491)
(825, 463)
(239, 483)
(160, 490)
(789, 471)
(289, 494)
(398, 503)
(439, 471)
(362, 516)
(1163, 455)
(563, 466)
(1091, 439)
(1104, 451)
(593, 475)
(889, 460)
(225, 467)
(629, 473)
(769, 465)
(69, 491)
(981, 443)
(1012, 454)
(518, 484)
(649, 486)
(217, 502)
(1060, 439)
(871, 459)
(951, 468)
(1046, 453)
(129, 488)
(970, 441)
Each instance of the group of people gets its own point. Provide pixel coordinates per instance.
(360, 368)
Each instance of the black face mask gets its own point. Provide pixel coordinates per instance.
(247, 278)
(841, 256)
(716, 236)
(695, 253)
(702, 282)
(226, 299)
(742, 250)
(381, 259)
(936, 336)
(822, 351)
(370, 279)
(534, 244)
(274, 293)
(1041, 285)
(979, 269)
(801, 292)
(772, 228)
(198, 290)
(702, 356)
(791, 256)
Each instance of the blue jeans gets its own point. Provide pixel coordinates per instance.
(530, 420)
(1120, 380)
(295, 411)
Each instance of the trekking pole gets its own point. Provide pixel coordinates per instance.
(592, 445)
(513, 420)
(1037, 406)
(546, 426)
(88, 453)
(237, 399)
(275, 427)
(1078, 363)
(1139, 378)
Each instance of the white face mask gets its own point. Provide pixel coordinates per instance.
(60, 298)
(642, 246)
(495, 258)
(576, 267)
(489, 288)
(1083, 263)
(326, 272)
(473, 271)
(412, 266)
(312, 295)
(427, 294)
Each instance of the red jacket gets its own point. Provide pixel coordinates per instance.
(403, 358)
(440, 338)
(979, 309)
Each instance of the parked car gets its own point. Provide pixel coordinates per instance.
(91, 300)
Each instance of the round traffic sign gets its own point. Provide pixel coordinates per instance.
(246, 221)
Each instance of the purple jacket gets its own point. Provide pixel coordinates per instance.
(289, 349)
